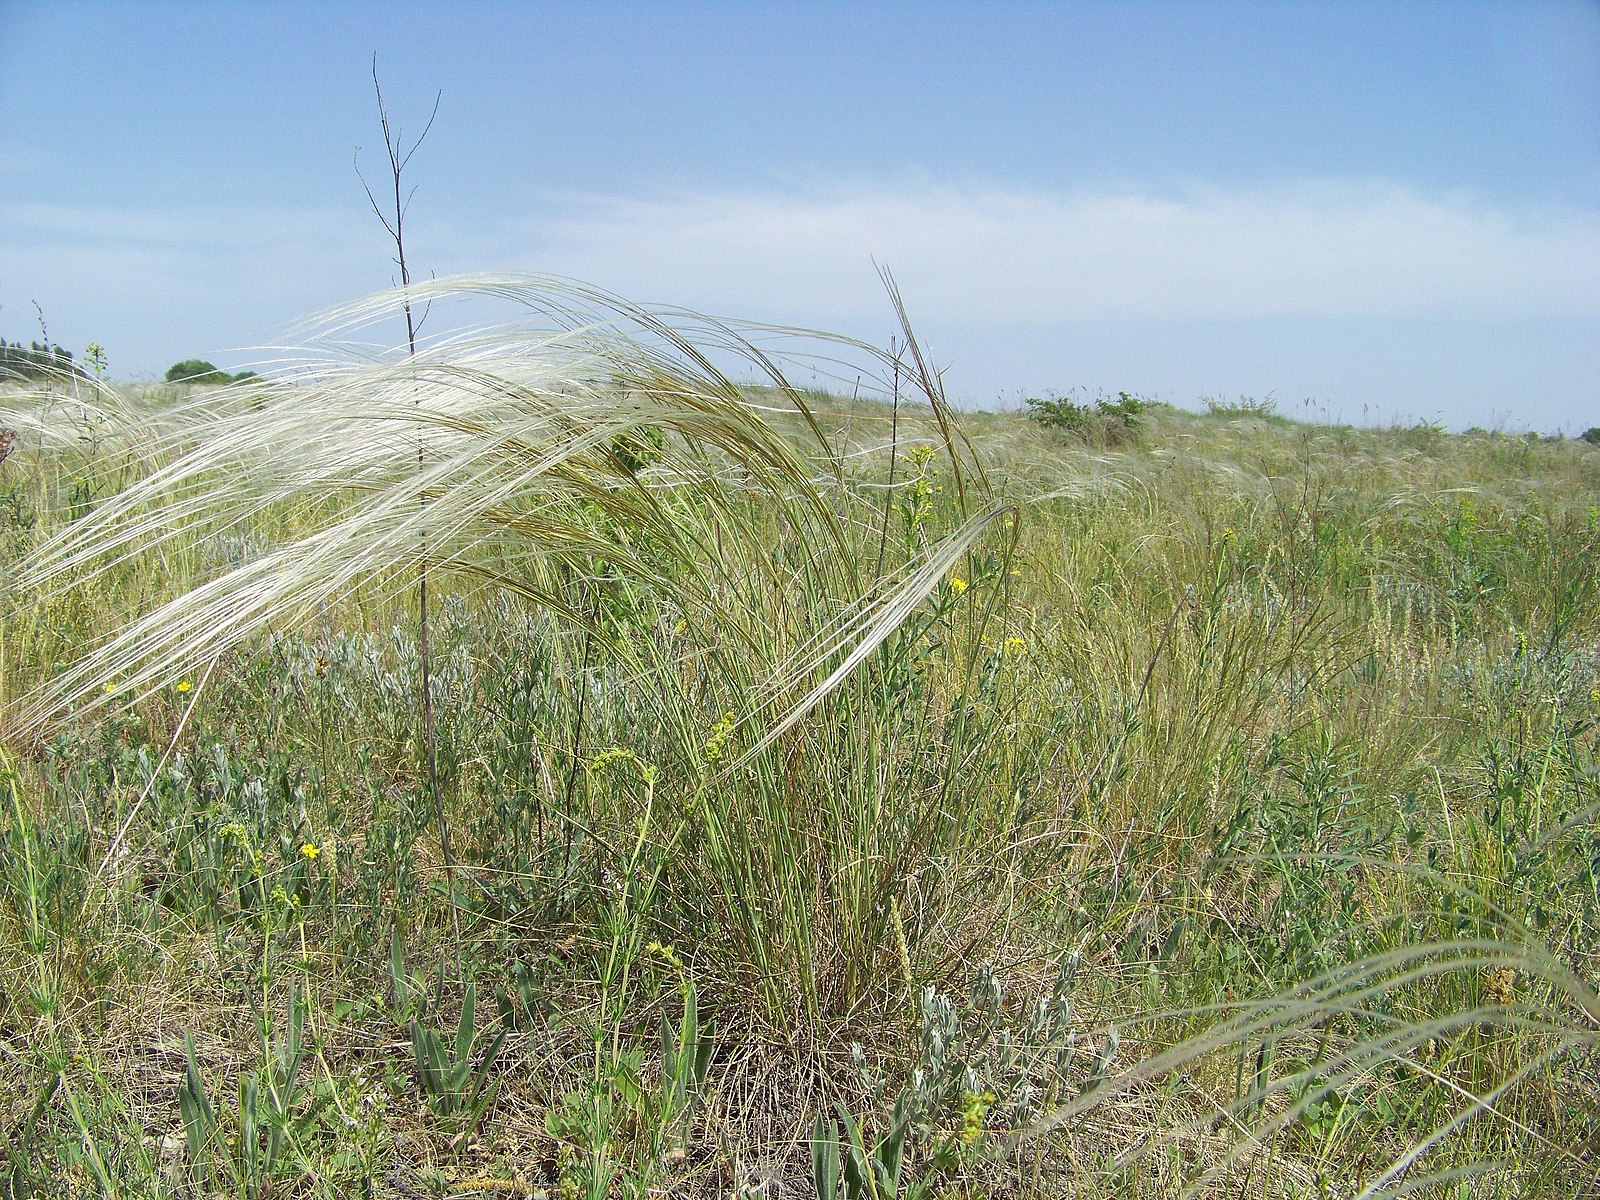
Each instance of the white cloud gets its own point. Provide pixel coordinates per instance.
(995, 256)
(980, 255)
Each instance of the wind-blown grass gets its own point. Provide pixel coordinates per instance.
(602, 430)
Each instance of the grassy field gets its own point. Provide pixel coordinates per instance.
(838, 797)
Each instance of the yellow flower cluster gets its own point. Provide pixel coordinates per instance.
(718, 741)
(666, 952)
(974, 1107)
(605, 758)
(957, 586)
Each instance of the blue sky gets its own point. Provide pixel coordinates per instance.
(1376, 211)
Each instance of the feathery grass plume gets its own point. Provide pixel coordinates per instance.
(1351, 1034)
(68, 413)
(598, 460)
(526, 484)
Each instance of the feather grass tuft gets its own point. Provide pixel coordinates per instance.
(528, 480)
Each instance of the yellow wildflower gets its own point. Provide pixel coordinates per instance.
(605, 758)
(957, 586)
(1015, 645)
(310, 850)
(718, 741)
(666, 952)
(184, 685)
(974, 1107)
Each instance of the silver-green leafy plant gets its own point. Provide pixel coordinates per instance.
(454, 1075)
(685, 1061)
(982, 1073)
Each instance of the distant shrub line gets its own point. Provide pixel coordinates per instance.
(35, 361)
(41, 361)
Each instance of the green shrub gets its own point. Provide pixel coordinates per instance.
(1106, 421)
(1244, 406)
(198, 370)
(1592, 435)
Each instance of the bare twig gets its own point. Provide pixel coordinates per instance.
(399, 157)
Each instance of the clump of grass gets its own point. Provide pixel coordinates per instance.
(533, 485)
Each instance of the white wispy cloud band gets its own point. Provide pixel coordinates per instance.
(998, 256)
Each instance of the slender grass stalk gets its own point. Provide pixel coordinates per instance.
(1568, 1022)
